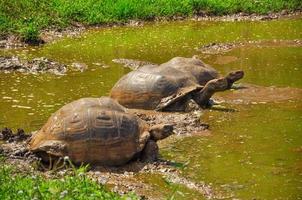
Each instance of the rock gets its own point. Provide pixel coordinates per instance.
(135, 23)
(131, 63)
(284, 12)
(79, 66)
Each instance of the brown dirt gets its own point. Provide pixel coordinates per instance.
(248, 17)
(185, 123)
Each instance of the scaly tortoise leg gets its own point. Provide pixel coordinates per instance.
(150, 152)
(221, 84)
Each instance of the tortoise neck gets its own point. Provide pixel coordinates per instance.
(202, 97)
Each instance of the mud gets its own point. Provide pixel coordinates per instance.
(220, 48)
(252, 94)
(123, 179)
(7, 134)
(12, 42)
(185, 123)
(247, 17)
(13, 146)
(47, 35)
(35, 66)
(53, 33)
(128, 181)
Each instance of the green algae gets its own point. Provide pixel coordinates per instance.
(163, 188)
(28, 100)
(252, 154)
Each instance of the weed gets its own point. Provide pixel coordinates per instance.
(15, 185)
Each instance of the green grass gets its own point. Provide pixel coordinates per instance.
(27, 17)
(16, 185)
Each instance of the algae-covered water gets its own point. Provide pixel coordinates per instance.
(254, 153)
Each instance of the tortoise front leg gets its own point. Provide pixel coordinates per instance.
(203, 96)
(150, 152)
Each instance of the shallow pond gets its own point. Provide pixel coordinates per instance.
(254, 153)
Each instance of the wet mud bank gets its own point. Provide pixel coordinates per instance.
(221, 48)
(122, 179)
(35, 66)
(184, 123)
(40, 65)
(253, 94)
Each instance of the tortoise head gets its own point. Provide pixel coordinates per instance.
(47, 148)
(160, 131)
(234, 76)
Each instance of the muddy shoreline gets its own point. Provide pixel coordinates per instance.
(40, 65)
(121, 179)
(35, 66)
(53, 33)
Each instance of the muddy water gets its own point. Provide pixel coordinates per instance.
(252, 153)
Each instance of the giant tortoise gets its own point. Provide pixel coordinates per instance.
(97, 131)
(169, 86)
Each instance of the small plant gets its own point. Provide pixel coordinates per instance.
(16, 184)
(30, 33)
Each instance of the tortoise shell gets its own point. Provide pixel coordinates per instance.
(91, 130)
(147, 86)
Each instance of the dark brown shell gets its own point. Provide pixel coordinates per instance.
(147, 86)
(91, 130)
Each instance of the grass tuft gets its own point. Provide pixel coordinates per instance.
(15, 185)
